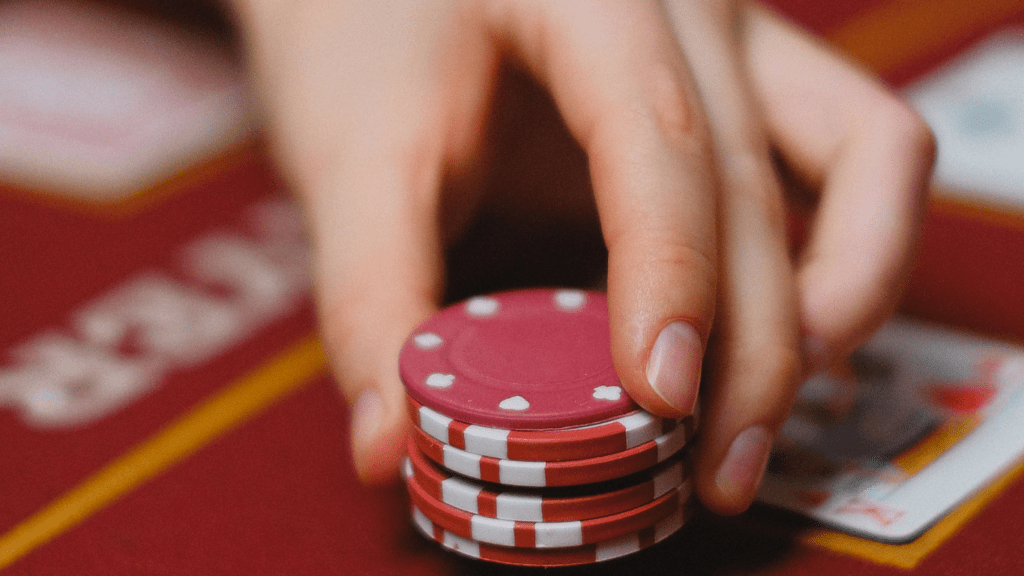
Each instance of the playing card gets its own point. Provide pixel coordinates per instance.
(975, 106)
(912, 424)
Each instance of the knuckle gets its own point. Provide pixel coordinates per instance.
(666, 250)
(777, 367)
(683, 256)
(661, 108)
(672, 113)
(911, 136)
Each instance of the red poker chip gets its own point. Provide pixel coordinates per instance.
(553, 557)
(522, 360)
(565, 534)
(550, 505)
(599, 439)
(562, 473)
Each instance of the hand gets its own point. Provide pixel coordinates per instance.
(380, 111)
(770, 89)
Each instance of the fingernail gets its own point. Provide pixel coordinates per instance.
(366, 419)
(673, 369)
(744, 464)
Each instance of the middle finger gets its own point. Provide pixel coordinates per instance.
(756, 356)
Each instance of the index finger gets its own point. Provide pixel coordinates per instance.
(626, 95)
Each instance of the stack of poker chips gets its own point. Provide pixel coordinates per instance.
(525, 448)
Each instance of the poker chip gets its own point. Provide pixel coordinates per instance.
(561, 473)
(563, 505)
(553, 557)
(522, 360)
(603, 438)
(525, 448)
(546, 534)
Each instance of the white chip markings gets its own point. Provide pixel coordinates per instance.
(517, 403)
(461, 545)
(492, 531)
(461, 495)
(570, 300)
(422, 521)
(468, 496)
(640, 427)
(630, 543)
(482, 306)
(428, 340)
(521, 473)
(668, 479)
(665, 528)
(462, 462)
(439, 380)
(613, 393)
(512, 506)
(487, 441)
(569, 533)
(635, 429)
(617, 547)
(434, 423)
(669, 444)
(558, 534)
(534, 473)
(606, 550)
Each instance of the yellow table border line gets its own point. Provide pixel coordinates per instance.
(241, 400)
(908, 556)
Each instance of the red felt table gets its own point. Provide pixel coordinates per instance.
(187, 423)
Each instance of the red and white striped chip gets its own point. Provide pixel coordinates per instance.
(551, 505)
(546, 534)
(553, 557)
(518, 391)
(563, 473)
(575, 443)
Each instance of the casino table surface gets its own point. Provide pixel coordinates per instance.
(165, 402)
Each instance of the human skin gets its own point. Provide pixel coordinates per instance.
(379, 113)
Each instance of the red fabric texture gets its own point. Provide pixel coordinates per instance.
(278, 495)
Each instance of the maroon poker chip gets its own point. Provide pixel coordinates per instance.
(522, 360)
(599, 439)
(546, 474)
(553, 557)
(526, 449)
(564, 534)
(551, 505)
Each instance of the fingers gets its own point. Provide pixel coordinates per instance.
(619, 81)
(368, 131)
(378, 260)
(870, 155)
(386, 292)
(755, 356)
